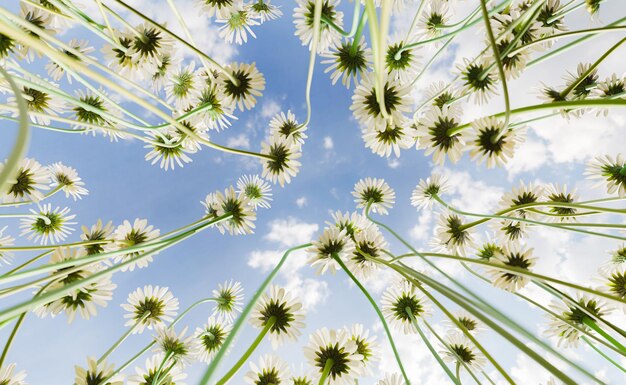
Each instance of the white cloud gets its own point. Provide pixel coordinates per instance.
(302, 201)
(270, 108)
(291, 232)
(239, 141)
(328, 143)
(423, 229)
(393, 162)
(471, 194)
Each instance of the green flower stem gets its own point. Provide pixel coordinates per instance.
(359, 32)
(123, 21)
(380, 315)
(591, 68)
(459, 359)
(493, 313)
(455, 380)
(30, 261)
(416, 17)
(48, 10)
(357, 19)
(600, 352)
(464, 21)
(564, 10)
(326, 20)
(27, 202)
(430, 61)
(123, 337)
(208, 374)
(377, 59)
(9, 170)
(188, 35)
(53, 295)
(46, 247)
(593, 325)
(182, 41)
(268, 325)
(487, 377)
(106, 20)
(496, 55)
(326, 371)
(25, 215)
(317, 20)
(157, 375)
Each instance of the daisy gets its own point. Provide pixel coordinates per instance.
(519, 196)
(56, 71)
(512, 64)
(30, 179)
(508, 230)
(218, 8)
(559, 194)
(301, 380)
(613, 87)
(229, 298)
(210, 204)
(9, 378)
(614, 283)
(478, 80)
(469, 323)
(504, 21)
(149, 307)
(333, 242)
(39, 102)
(68, 180)
(98, 114)
(452, 234)
(263, 11)
(374, 193)
(6, 240)
(435, 16)
(401, 63)
(7, 46)
(97, 232)
(127, 235)
(585, 86)
(458, 349)
(366, 109)
(426, 191)
(256, 190)
(183, 86)
(218, 111)
(121, 61)
(390, 137)
(271, 370)
(351, 223)
(489, 249)
(286, 312)
(237, 25)
(433, 130)
(593, 6)
(288, 128)
(39, 19)
(242, 214)
(55, 228)
(366, 346)
(347, 60)
(303, 17)
(566, 334)
(191, 142)
(396, 299)
(549, 24)
(609, 170)
(336, 346)
(175, 347)
(284, 163)
(617, 261)
(210, 339)
(167, 149)
(391, 379)
(171, 375)
(95, 373)
(493, 142)
(250, 83)
(149, 46)
(512, 256)
(444, 95)
(370, 242)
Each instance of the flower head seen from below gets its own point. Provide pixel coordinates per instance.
(367, 109)
(47, 225)
(256, 190)
(149, 306)
(263, 11)
(367, 347)
(427, 191)
(334, 351)
(453, 236)
(333, 243)
(240, 212)
(127, 235)
(31, 179)
(148, 374)
(303, 18)
(270, 370)
(459, 349)
(7, 375)
(492, 142)
(516, 257)
(282, 163)
(5, 240)
(282, 311)
(288, 128)
(559, 194)
(348, 60)
(610, 171)
(369, 246)
(210, 338)
(228, 300)
(95, 373)
(399, 297)
(243, 86)
(176, 347)
(375, 194)
(67, 179)
(237, 25)
(392, 379)
(574, 317)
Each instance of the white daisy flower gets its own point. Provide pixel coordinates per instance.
(333, 241)
(263, 11)
(237, 25)
(423, 194)
(210, 338)
(242, 212)
(335, 345)
(452, 235)
(40, 19)
(39, 102)
(167, 149)
(250, 83)
(396, 299)
(55, 228)
(69, 181)
(127, 235)
(303, 16)
(284, 309)
(469, 323)
(229, 298)
(493, 142)
(210, 204)
(146, 376)
(271, 370)
(444, 95)
(512, 64)
(617, 261)
(402, 64)
(351, 223)
(382, 140)
(392, 379)
(288, 128)
(610, 171)
(567, 335)
(479, 80)
(371, 242)
(374, 192)
(435, 16)
(512, 256)
(366, 109)
(9, 378)
(96, 372)
(56, 71)
(30, 179)
(183, 86)
(551, 25)
(614, 283)
(256, 190)
(347, 61)
(217, 116)
(6, 240)
(97, 232)
(433, 130)
(510, 230)
(584, 87)
(218, 8)
(366, 346)
(559, 194)
(284, 163)
(176, 347)
(123, 62)
(150, 306)
(459, 349)
(86, 118)
(149, 45)
(522, 195)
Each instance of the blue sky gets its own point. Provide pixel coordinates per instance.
(124, 186)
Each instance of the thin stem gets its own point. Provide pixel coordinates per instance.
(30, 261)
(317, 15)
(359, 32)
(600, 352)
(7, 346)
(124, 336)
(27, 202)
(268, 325)
(592, 324)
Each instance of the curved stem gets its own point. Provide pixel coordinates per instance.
(130, 330)
(317, 15)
